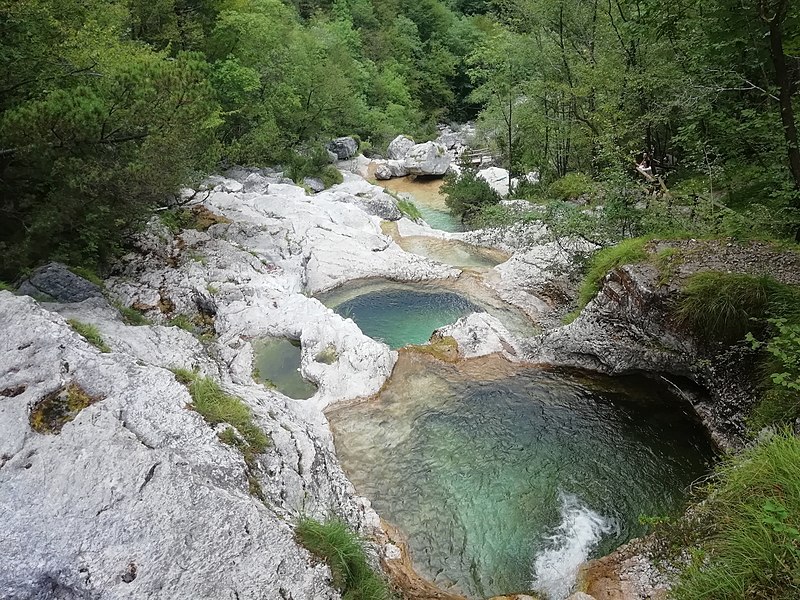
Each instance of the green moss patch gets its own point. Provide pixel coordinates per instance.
(49, 415)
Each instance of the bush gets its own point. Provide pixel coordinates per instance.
(627, 252)
(467, 194)
(571, 186)
(90, 333)
(308, 163)
(749, 543)
(339, 547)
(780, 401)
(331, 176)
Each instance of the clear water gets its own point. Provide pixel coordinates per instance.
(428, 199)
(505, 479)
(399, 317)
(408, 313)
(452, 252)
(277, 364)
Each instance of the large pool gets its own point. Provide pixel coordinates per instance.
(506, 478)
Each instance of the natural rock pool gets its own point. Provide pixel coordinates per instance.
(428, 199)
(506, 478)
(277, 363)
(408, 313)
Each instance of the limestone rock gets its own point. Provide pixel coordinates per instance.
(481, 334)
(59, 283)
(580, 596)
(314, 184)
(143, 500)
(429, 158)
(390, 168)
(343, 147)
(497, 179)
(256, 183)
(399, 147)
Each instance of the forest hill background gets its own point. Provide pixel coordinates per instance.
(107, 107)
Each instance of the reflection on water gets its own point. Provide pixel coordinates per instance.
(507, 478)
(277, 364)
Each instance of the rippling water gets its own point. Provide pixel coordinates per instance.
(505, 478)
(428, 199)
(277, 363)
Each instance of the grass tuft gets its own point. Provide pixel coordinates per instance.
(749, 546)
(725, 306)
(217, 407)
(340, 548)
(90, 333)
(131, 316)
(607, 259)
(409, 209)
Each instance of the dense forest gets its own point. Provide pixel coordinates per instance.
(108, 107)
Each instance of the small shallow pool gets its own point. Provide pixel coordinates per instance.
(277, 364)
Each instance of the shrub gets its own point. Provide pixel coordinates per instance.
(308, 163)
(627, 252)
(331, 176)
(749, 543)
(780, 400)
(571, 186)
(338, 546)
(90, 333)
(467, 194)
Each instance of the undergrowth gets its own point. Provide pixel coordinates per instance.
(90, 333)
(409, 209)
(340, 548)
(749, 526)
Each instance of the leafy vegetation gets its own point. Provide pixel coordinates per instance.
(748, 528)
(340, 548)
(90, 333)
(467, 194)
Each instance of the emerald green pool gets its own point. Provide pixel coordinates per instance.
(505, 478)
(277, 364)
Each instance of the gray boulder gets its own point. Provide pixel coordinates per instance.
(314, 184)
(399, 147)
(391, 168)
(59, 283)
(429, 158)
(255, 182)
(343, 147)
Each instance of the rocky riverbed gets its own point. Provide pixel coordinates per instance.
(137, 497)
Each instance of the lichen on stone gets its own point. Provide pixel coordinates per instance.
(49, 415)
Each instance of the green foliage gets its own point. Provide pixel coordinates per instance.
(409, 209)
(749, 528)
(331, 176)
(780, 400)
(90, 333)
(467, 194)
(340, 548)
(88, 275)
(130, 315)
(571, 186)
(184, 322)
(5, 287)
(725, 306)
(217, 407)
(607, 259)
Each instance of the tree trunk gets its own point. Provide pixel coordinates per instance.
(784, 83)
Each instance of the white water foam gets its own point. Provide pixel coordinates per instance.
(556, 567)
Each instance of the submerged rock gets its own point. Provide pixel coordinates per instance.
(429, 158)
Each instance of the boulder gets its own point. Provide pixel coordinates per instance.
(391, 168)
(497, 179)
(59, 283)
(343, 147)
(429, 158)
(314, 184)
(257, 183)
(399, 147)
